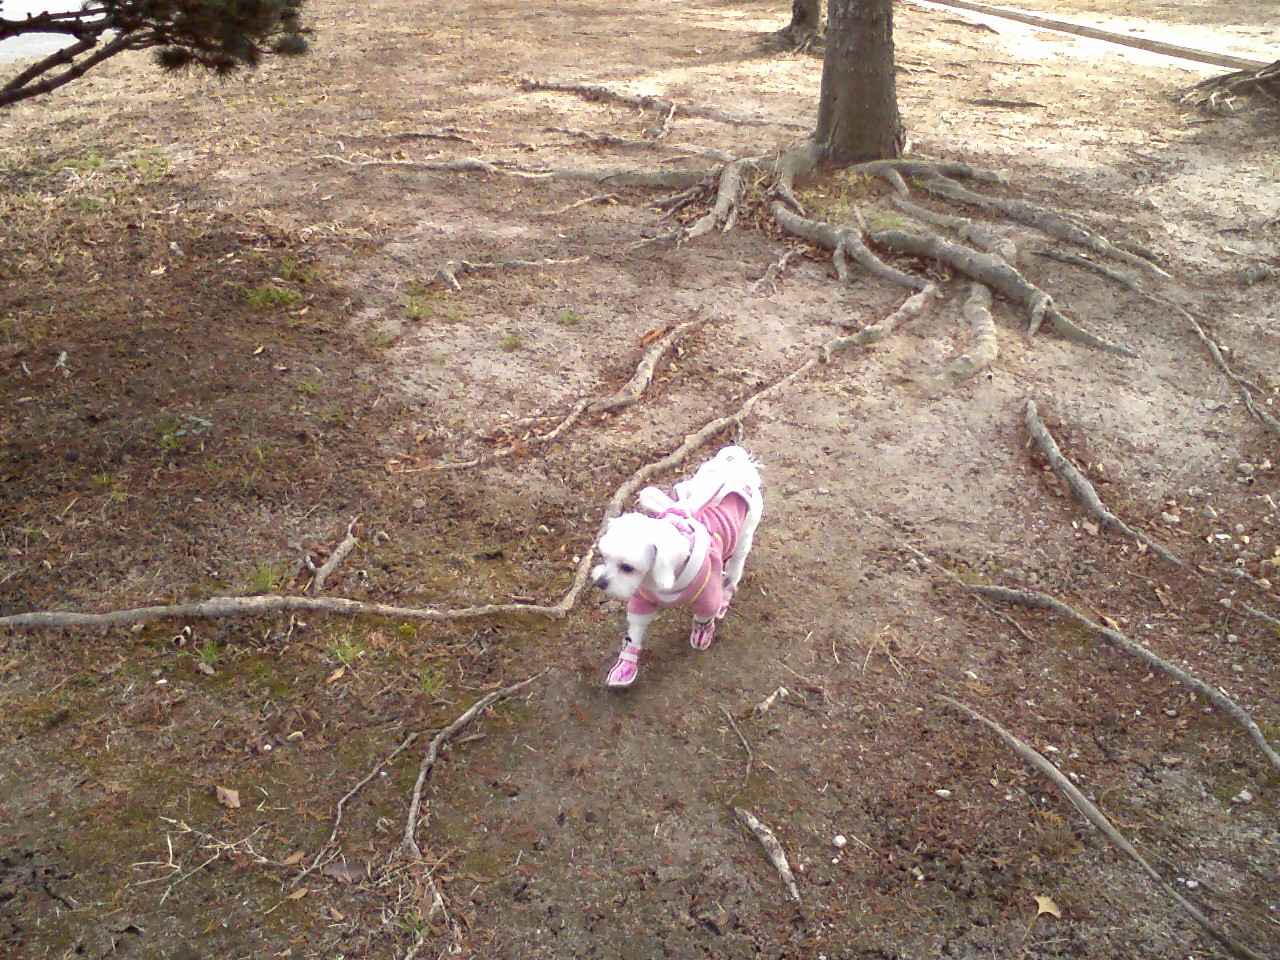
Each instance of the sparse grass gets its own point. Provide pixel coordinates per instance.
(417, 308)
(310, 387)
(293, 270)
(84, 162)
(265, 578)
(569, 317)
(209, 653)
(511, 341)
(173, 433)
(271, 297)
(345, 648)
(429, 682)
(87, 204)
(885, 220)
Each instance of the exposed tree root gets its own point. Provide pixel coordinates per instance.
(777, 856)
(1048, 222)
(322, 573)
(685, 150)
(1085, 491)
(842, 242)
(1099, 820)
(895, 170)
(977, 310)
(1219, 93)
(634, 388)
(615, 177)
(409, 844)
(724, 212)
(447, 274)
(1043, 601)
(601, 94)
(995, 273)
(967, 230)
(227, 607)
(768, 281)
(1247, 387)
(494, 456)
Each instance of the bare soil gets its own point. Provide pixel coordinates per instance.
(221, 342)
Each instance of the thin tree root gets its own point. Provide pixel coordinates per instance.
(1043, 601)
(995, 273)
(240, 606)
(409, 844)
(768, 281)
(842, 241)
(1048, 222)
(668, 109)
(1100, 821)
(977, 310)
(1085, 491)
(895, 170)
(777, 856)
(322, 573)
(967, 230)
(320, 857)
(634, 389)
(1247, 386)
(606, 176)
(447, 274)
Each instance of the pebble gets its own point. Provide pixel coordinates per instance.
(839, 841)
(1209, 512)
(1170, 517)
(1245, 469)
(943, 793)
(1244, 796)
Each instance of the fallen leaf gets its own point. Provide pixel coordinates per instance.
(336, 675)
(302, 892)
(346, 871)
(293, 858)
(228, 798)
(337, 914)
(1046, 905)
(205, 668)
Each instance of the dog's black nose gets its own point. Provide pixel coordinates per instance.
(602, 582)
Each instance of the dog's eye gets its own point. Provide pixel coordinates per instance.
(626, 568)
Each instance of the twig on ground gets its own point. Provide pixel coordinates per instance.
(585, 202)
(666, 108)
(616, 177)
(409, 845)
(1226, 704)
(777, 856)
(339, 554)
(1099, 820)
(405, 744)
(746, 774)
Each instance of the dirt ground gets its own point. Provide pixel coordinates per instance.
(221, 341)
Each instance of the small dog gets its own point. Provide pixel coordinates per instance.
(686, 552)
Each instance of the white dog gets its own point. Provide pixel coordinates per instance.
(687, 552)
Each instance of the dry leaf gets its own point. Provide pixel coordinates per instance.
(336, 675)
(346, 871)
(337, 914)
(228, 798)
(205, 668)
(1046, 905)
(293, 858)
(302, 892)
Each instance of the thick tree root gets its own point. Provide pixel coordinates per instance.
(1048, 222)
(967, 230)
(1085, 491)
(977, 310)
(447, 274)
(895, 170)
(1219, 93)
(995, 273)
(1099, 820)
(842, 242)
(724, 212)
(1214, 695)
(614, 177)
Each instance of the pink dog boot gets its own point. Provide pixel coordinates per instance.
(625, 669)
(703, 632)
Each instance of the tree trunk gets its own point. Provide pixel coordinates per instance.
(858, 107)
(806, 19)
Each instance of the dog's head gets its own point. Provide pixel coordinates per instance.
(636, 550)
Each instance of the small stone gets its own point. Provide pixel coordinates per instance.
(1170, 517)
(1245, 469)
(839, 841)
(1197, 492)
(1192, 884)
(1239, 528)
(943, 793)
(419, 504)
(1171, 712)
(1232, 638)
(1244, 796)
(1209, 512)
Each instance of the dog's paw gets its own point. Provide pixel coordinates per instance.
(625, 669)
(703, 632)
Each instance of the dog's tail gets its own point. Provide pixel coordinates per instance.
(654, 501)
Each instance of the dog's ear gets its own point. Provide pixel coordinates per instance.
(663, 571)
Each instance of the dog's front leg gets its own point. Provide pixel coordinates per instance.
(626, 668)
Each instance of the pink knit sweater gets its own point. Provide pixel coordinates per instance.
(705, 594)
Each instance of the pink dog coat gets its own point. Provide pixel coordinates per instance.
(705, 593)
